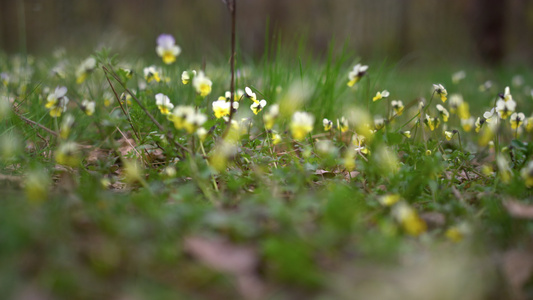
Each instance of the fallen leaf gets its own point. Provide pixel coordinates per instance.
(518, 268)
(518, 209)
(239, 261)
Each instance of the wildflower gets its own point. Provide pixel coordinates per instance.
(356, 74)
(125, 73)
(83, 70)
(488, 115)
(505, 108)
(441, 91)
(342, 124)
(194, 121)
(516, 120)
(108, 99)
(389, 199)
(256, 107)
(456, 233)
(132, 171)
(468, 124)
(301, 124)
(125, 98)
(409, 219)
(180, 115)
(67, 154)
(88, 107)
(506, 96)
(527, 174)
(327, 124)
(349, 160)
(163, 103)
(270, 117)
(529, 124)
(186, 76)
(379, 122)
(432, 123)
(458, 76)
(443, 112)
(36, 186)
(66, 125)
(386, 160)
(381, 95)
(151, 73)
(449, 134)
(57, 101)
(276, 138)
(406, 133)
(503, 168)
(202, 84)
(455, 101)
(201, 133)
(167, 48)
(325, 147)
(250, 94)
(487, 134)
(463, 111)
(487, 85)
(428, 152)
(221, 108)
(398, 107)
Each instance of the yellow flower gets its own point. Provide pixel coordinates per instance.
(527, 174)
(449, 134)
(432, 123)
(467, 124)
(379, 122)
(67, 154)
(381, 95)
(356, 74)
(221, 108)
(407, 134)
(409, 219)
(342, 124)
(151, 73)
(250, 94)
(276, 138)
(66, 125)
(428, 152)
(503, 168)
(108, 99)
(201, 133)
(479, 123)
(505, 108)
(84, 69)
(256, 107)
(167, 48)
(163, 103)
(516, 120)
(186, 117)
(88, 107)
(36, 186)
(301, 124)
(186, 76)
(270, 117)
(57, 101)
(389, 199)
(454, 234)
(506, 96)
(398, 107)
(327, 124)
(443, 112)
(441, 91)
(529, 124)
(125, 98)
(202, 84)
(455, 101)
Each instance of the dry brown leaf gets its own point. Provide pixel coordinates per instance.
(518, 268)
(519, 210)
(239, 261)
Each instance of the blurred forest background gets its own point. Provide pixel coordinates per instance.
(491, 31)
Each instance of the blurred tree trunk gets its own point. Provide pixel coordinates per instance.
(487, 23)
(8, 20)
(403, 34)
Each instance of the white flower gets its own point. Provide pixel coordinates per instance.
(86, 67)
(301, 124)
(356, 74)
(505, 108)
(167, 48)
(458, 76)
(202, 84)
(256, 107)
(151, 73)
(250, 94)
(163, 103)
(88, 107)
(57, 101)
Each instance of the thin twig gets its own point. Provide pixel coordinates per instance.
(167, 133)
(33, 123)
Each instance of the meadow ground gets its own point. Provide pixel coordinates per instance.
(331, 179)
